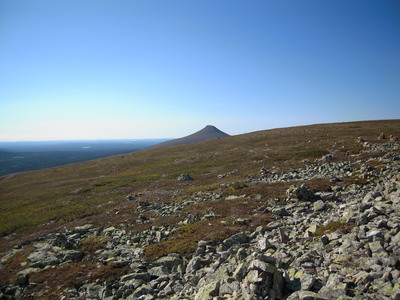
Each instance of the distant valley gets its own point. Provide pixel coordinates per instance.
(26, 156)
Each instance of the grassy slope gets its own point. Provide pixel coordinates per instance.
(35, 202)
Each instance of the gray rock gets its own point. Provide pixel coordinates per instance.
(82, 229)
(170, 262)
(42, 259)
(307, 282)
(240, 271)
(334, 288)
(236, 239)
(159, 271)
(306, 295)
(263, 266)
(71, 255)
(92, 290)
(228, 288)
(145, 276)
(319, 205)
(302, 193)
(130, 197)
(254, 276)
(281, 212)
(141, 291)
(326, 158)
(264, 244)
(208, 291)
(184, 177)
(196, 263)
(62, 242)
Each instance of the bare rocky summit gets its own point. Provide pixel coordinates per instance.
(207, 133)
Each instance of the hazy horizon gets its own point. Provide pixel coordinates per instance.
(90, 70)
(171, 138)
(80, 140)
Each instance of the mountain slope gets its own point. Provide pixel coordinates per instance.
(207, 133)
(266, 203)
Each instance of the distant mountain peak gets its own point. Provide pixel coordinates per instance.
(209, 132)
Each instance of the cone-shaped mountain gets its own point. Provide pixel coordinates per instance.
(207, 133)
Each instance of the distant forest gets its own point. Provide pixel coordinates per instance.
(26, 156)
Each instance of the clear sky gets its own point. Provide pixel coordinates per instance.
(94, 69)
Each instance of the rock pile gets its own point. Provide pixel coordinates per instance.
(342, 244)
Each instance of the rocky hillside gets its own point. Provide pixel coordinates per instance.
(323, 224)
(207, 133)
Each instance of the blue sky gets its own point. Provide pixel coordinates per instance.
(82, 69)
